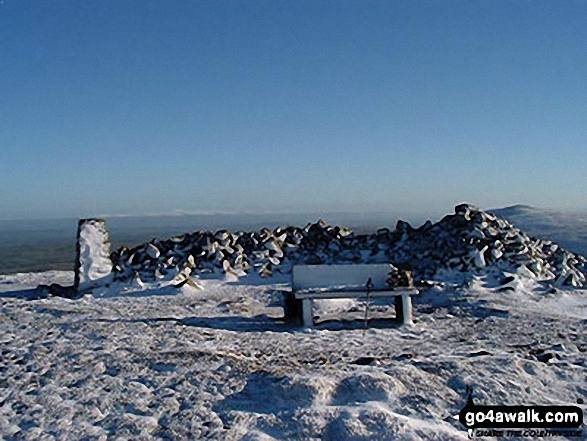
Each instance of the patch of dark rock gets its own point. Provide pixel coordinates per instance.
(541, 356)
(57, 290)
(405, 356)
(479, 354)
(366, 361)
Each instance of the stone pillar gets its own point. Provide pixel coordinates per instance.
(92, 265)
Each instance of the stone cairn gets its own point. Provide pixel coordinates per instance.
(92, 264)
(469, 242)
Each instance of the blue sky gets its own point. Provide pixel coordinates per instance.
(131, 107)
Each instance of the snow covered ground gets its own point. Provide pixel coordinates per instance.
(219, 363)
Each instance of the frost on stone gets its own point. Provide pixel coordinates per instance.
(93, 265)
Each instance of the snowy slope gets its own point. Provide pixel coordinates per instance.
(567, 229)
(218, 363)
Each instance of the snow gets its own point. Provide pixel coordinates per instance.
(154, 361)
(314, 277)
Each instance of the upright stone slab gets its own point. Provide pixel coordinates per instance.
(93, 265)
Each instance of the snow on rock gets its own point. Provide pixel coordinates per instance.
(152, 251)
(470, 242)
(93, 264)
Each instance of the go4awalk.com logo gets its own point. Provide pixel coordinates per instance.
(520, 421)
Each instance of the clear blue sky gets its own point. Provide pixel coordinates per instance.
(153, 106)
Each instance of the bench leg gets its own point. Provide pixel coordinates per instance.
(292, 309)
(406, 309)
(403, 309)
(399, 309)
(308, 318)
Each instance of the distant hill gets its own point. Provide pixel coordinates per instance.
(567, 229)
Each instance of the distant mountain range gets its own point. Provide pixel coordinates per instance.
(567, 229)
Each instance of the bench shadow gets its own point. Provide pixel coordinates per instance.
(480, 309)
(151, 292)
(25, 294)
(264, 323)
(357, 324)
(259, 323)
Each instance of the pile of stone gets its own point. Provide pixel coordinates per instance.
(469, 242)
(265, 252)
(476, 242)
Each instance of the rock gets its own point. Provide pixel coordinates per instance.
(58, 290)
(544, 358)
(462, 209)
(153, 251)
(366, 361)
(403, 227)
(479, 354)
(480, 261)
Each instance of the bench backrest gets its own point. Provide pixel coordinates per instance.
(308, 277)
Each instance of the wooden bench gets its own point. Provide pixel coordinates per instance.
(313, 282)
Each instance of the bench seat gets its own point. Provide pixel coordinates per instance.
(317, 282)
